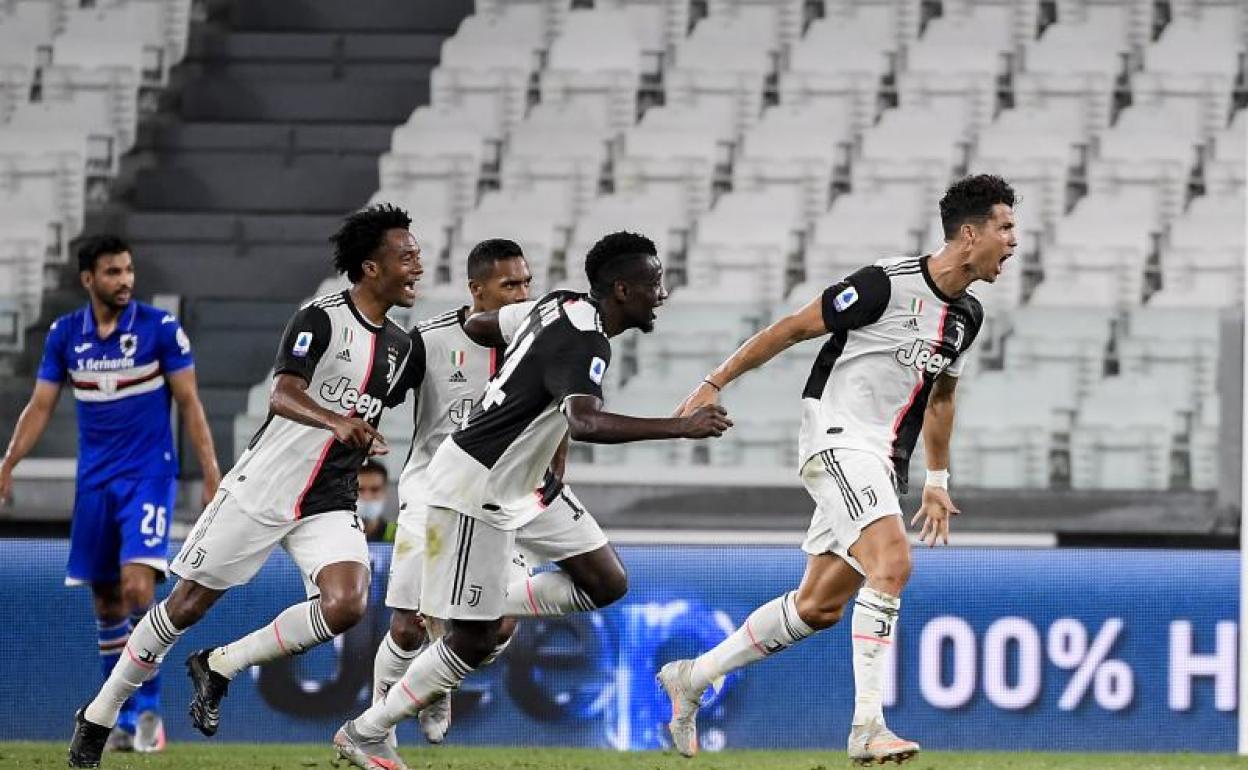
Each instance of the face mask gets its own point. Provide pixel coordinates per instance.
(370, 509)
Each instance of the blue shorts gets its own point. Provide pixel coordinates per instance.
(125, 521)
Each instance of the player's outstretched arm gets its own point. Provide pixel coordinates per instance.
(802, 325)
(290, 399)
(937, 507)
(30, 426)
(484, 329)
(182, 385)
(588, 422)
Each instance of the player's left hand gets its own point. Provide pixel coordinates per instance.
(703, 395)
(935, 511)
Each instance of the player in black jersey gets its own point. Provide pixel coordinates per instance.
(339, 364)
(482, 478)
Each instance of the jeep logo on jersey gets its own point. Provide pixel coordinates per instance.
(923, 358)
(339, 391)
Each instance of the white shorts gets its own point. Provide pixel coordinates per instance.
(851, 489)
(467, 567)
(227, 547)
(562, 530)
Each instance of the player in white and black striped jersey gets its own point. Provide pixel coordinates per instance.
(897, 333)
(339, 364)
(455, 372)
(481, 482)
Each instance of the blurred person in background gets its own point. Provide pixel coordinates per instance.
(371, 503)
(125, 362)
(897, 332)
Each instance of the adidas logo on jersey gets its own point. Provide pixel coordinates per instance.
(923, 358)
(457, 377)
(345, 355)
(912, 324)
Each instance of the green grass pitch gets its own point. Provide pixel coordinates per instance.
(229, 756)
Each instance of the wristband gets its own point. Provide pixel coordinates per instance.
(707, 380)
(937, 479)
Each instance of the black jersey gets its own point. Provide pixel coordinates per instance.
(490, 468)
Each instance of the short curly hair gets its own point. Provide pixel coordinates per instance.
(613, 257)
(96, 246)
(970, 199)
(362, 233)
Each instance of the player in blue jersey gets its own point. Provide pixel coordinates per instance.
(124, 360)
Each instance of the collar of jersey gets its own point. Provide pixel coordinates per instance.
(927, 276)
(355, 311)
(127, 318)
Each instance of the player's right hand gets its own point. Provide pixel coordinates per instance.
(707, 421)
(702, 395)
(358, 434)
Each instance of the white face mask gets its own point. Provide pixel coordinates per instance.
(370, 509)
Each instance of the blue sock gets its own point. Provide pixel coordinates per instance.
(112, 636)
(147, 698)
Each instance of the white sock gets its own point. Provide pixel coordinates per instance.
(547, 594)
(294, 630)
(875, 618)
(388, 666)
(141, 657)
(773, 627)
(434, 673)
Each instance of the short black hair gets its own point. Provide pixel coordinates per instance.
(483, 256)
(372, 466)
(362, 233)
(613, 257)
(95, 246)
(970, 199)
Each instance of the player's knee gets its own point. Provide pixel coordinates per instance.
(506, 629)
(818, 612)
(891, 573)
(343, 610)
(607, 587)
(473, 641)
(137, 594)
(407, 629)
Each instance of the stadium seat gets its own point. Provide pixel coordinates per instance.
(860, 229)
(1224, 171)
(1132, 18)
(720, 70)
(793, 153)
(672, 156)
(157, 28)
(1176, 345)
(22, 254)
(101, 79)
(485, 71)
(595, 63)
(635, 212)
(42, 172)
(435, 162)
(1007, 422)
(775, 24)
(519, 217)
(840, 62)
(557, 153)
(1124, 435)
(1066, 343)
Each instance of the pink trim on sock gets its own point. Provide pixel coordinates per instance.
(754, 641)
(875, 639)
(411, 695)
(278, 633)
(139, 663)
(528, 586)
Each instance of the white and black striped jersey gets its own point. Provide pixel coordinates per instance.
(455, 372)
(353, 367)
(893, 333)
(490, 468)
